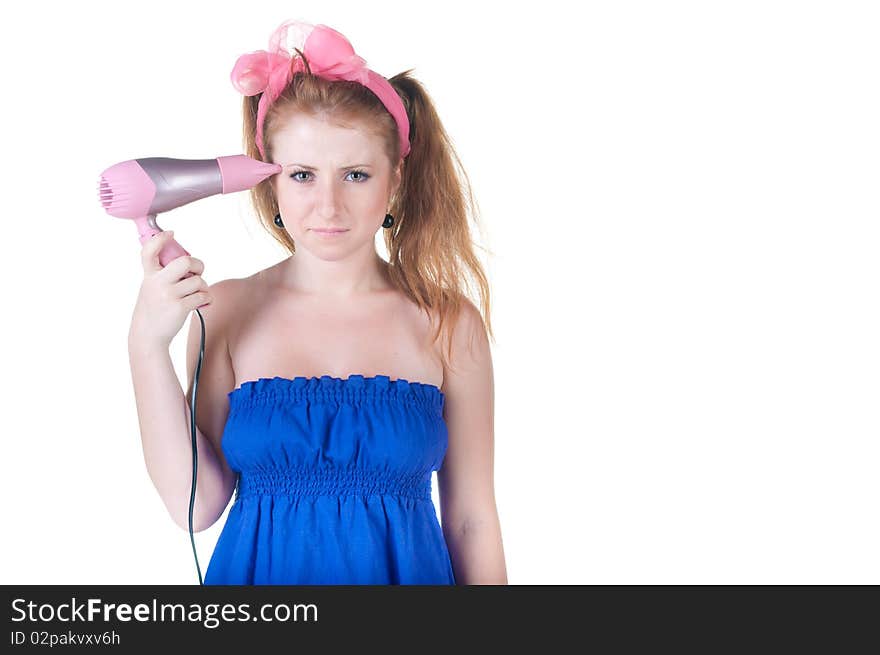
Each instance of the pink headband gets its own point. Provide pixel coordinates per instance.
(330, 56)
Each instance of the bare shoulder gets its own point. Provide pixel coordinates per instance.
(232, 286)
(218, 318)
(227, 296)
(469, 339)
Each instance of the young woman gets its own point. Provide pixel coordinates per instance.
(333, 383)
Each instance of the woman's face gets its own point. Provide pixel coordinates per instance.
(334, 178)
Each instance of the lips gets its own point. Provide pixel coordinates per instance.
(328, 230)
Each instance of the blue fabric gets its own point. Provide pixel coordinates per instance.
(334, 483)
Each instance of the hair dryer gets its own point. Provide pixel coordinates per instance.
(141, 188)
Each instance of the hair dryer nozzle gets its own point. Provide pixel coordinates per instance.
(241, 172)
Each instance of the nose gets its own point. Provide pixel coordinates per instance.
(327, 200)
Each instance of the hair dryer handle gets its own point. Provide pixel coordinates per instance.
(147, 229)
(170, 251)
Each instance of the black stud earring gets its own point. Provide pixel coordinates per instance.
(389, 221)
(278, 220)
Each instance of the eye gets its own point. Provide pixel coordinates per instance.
(363, 175)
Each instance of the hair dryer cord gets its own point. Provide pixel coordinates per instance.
(195, 458)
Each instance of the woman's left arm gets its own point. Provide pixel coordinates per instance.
(466, 479)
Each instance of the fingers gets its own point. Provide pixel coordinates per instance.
(182, 267)
(151, 248)
(190, 285)
(197, 300)
(176, 269)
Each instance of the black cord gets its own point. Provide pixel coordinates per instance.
(195, 459)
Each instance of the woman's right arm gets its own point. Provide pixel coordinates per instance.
(167, 296)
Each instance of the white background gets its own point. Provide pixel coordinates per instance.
(681, 203)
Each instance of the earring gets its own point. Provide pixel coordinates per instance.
(389, 221)
(278, 220)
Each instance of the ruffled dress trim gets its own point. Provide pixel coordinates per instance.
(355, 388)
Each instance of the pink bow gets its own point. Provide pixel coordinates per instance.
(268, 72)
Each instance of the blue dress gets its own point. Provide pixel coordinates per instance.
(334, 483)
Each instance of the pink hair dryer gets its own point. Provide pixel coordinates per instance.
(141, 188)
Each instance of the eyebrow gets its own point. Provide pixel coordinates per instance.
(343, 168)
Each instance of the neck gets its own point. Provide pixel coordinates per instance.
(357, 275)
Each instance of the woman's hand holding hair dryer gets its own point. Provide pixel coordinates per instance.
(167, 296)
